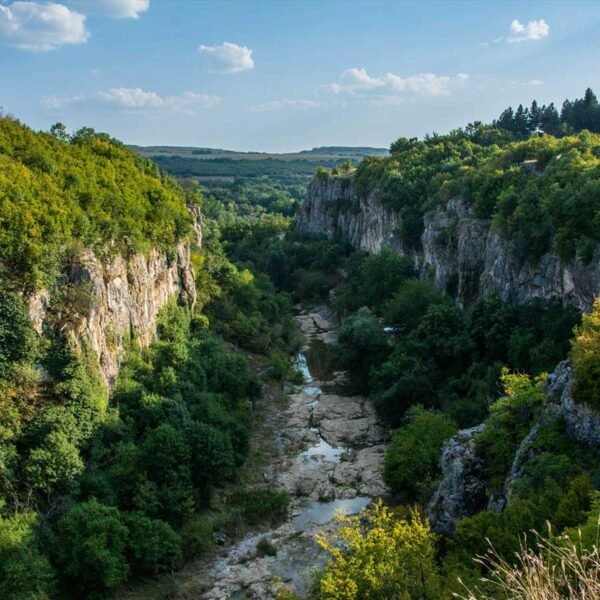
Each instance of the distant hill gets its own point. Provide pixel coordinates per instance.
(319, 154)
(348, 151)
(214, 164)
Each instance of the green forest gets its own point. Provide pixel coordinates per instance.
(102, 491)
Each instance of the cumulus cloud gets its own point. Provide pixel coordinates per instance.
(136, 99)
(286, 103)
(357, 82)
(534, 30)
(40, 27)
(118, 9)
(227, 58)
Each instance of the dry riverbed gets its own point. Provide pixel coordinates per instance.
(328, 454)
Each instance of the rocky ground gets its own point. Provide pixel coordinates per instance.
(329, 456)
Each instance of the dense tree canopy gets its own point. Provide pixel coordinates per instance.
(86, 189)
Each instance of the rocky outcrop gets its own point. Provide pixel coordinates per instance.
(461, 491)
(459, 252)
(333, 210)
(117, 300)
(581, 422)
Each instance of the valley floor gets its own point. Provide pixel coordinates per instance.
(327, 453)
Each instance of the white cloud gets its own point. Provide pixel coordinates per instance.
(383, 90)
(40, 27)
(227, 58)
(136, 99)
(118, 9)
(534, 30)
(286, 103)
(536, 82)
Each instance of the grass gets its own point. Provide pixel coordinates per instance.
(551, 570)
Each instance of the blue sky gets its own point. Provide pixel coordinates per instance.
(287, 75)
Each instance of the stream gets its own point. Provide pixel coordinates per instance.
(329, 451)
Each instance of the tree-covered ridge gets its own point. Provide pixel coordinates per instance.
(87, 189)
(541, 192)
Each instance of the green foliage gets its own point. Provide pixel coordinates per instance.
(212, 454)
(196, 536)
(585, 356)
(153, 546)
(541, 192)
(90, 547)
(410, 303)
(89, 190)
(425, 366)
(575, 115)
(18, 341)
(261, 505)
(412, 460)
(379, 556)
(363, 344)
(25, 573)
(373, 281)
(509, 422)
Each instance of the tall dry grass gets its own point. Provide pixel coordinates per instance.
(553, 570)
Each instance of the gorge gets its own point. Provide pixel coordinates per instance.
(195, 378)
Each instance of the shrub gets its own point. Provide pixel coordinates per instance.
(25, 574)
(153, 546)
(585, 355)
(412, 459)
(196, 536)
(378, 556)
(509, 422)
(90, 543)
(261, 505)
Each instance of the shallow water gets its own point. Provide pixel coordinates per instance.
(320, 360)
(318, 513)
(325, 450)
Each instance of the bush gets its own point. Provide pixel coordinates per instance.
(196, 536)
(412, 459)
(212, 455)
(509, 422)
(585, 356)
(261, 505)
(378, 556)
(153, 546)
(363, 343)
(18, 340)
(406, 308)
(90, 544)
(25, 574)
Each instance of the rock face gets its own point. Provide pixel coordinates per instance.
(459, 252)
(582, 423)
(461, 491)
(122, 298)
(332, 209)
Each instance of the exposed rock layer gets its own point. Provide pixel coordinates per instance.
(121, 300)
(459, 252)
(462, 492)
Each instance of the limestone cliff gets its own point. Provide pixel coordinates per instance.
(121, 300)
(458, 252)
(462, 492)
